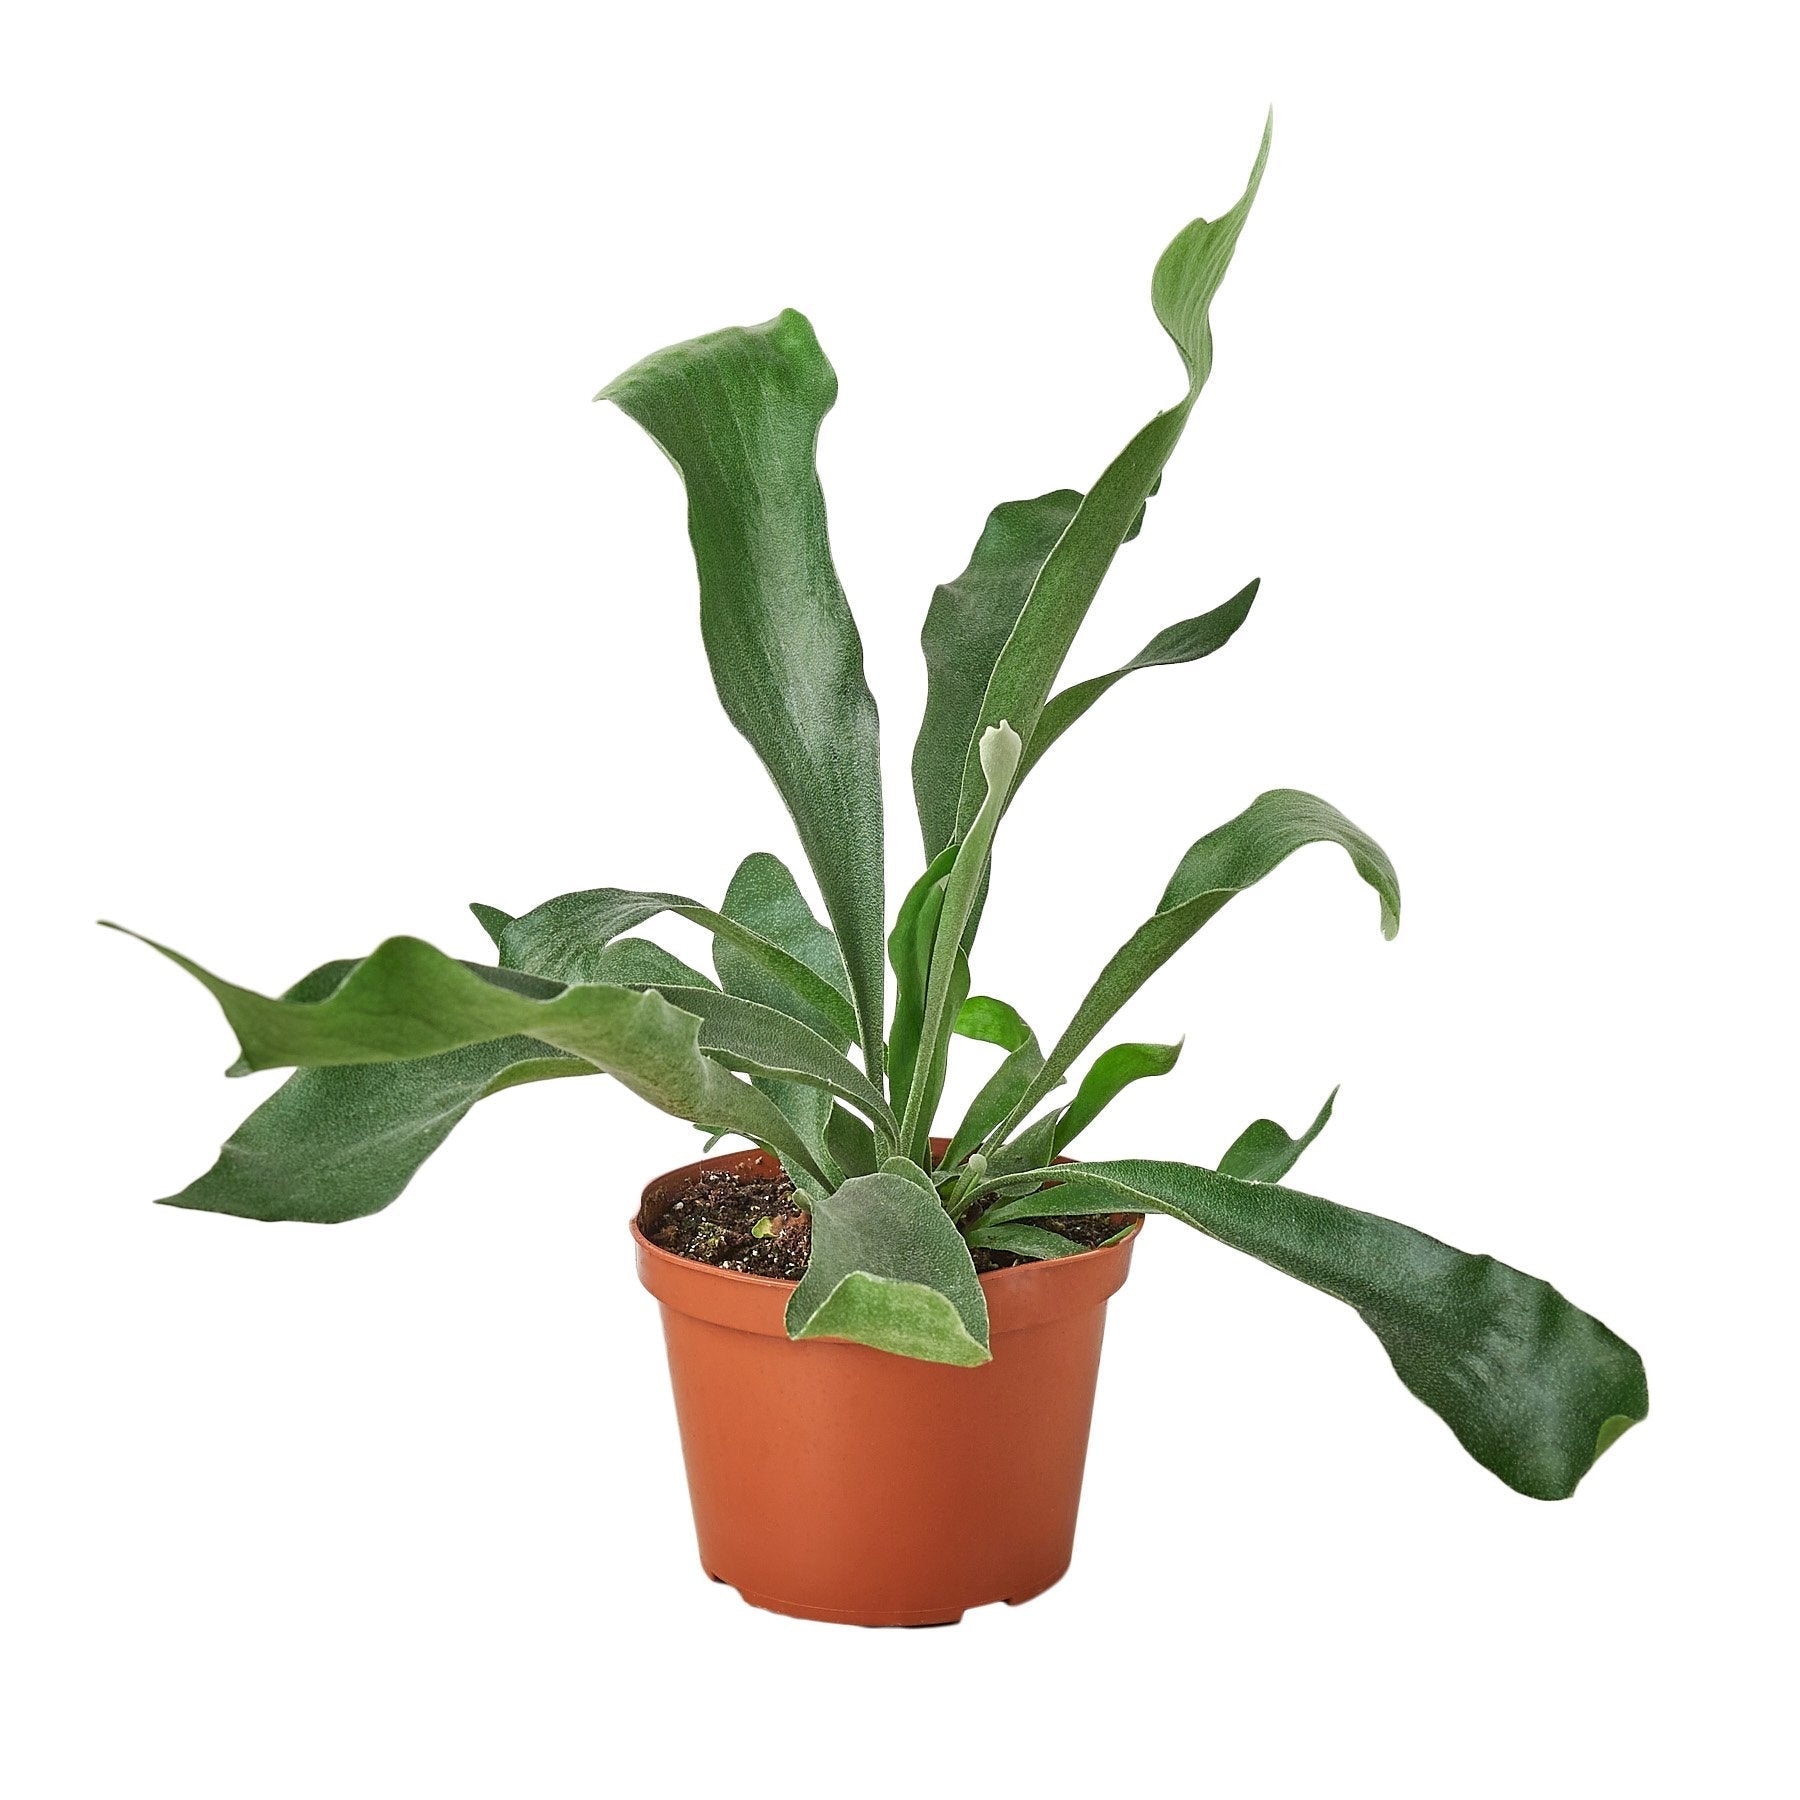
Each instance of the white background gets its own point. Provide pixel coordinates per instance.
(335, 605)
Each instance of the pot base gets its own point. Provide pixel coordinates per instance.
(918, 1618)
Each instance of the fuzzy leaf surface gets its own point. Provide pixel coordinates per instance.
(850, 1143)
(909, 950)
(738, 412)
(408, 1000)
(1025, 1240)
(758, 1040)
(888, 1269)
(339, 1143)
(765, 899)
(637, 962)
(1533, 1387)
(1113, 1071)
(568, 939)
(966, 628)
(1186, 278)
(946, 988)
(1216, 869)
(1263, 1151)
(998, 1095)
(1186, 642)
(991, 1021)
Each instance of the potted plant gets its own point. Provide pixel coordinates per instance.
(884, 1341)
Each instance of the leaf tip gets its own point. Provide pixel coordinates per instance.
(1611, 1430)
(491, 920)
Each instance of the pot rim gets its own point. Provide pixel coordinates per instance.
(1027, 1294)
(775, 1281)
(656, 1251)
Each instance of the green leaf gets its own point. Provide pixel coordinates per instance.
(1112, 1072)
(1219, 866)
(849, 1142)
(636, 962)
(997, 1097)
(567, 940)
(1533, 1387)
(888, 1269)
(908, 1170)
(966, 627)
(1000, 749)
(1264, 1152)
(758, 1040)
(809, 1188)
(493, 920)
(340, 1143)
(1186, 642)
(1025, 1240)
(936, 1067)
(991, 1021)
(1029, 1149)
(408, 1000)
(909, 950)
(324, 981)
(808, 1110)
(765, 898)
(1187, 277)
(562, 938)
(743, 1034)
(738, 413)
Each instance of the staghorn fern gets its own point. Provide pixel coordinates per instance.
(391, 1051)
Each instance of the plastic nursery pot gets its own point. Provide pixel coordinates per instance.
(831, 1481)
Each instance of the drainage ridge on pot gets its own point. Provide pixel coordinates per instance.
(832, 1481)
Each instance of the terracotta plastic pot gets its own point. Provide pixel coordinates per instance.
(836, 1482)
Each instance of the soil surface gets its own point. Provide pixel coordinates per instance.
(753, 1224)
